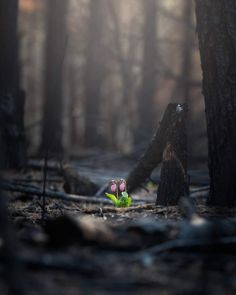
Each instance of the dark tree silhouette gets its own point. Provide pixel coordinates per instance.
(216, 26)
(125, 66)
(94, 71)
(186, 66)
(187, 49)
(146, 106)
(56, 40)
(11, 97)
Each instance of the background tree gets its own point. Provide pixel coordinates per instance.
(146, 106)
(216, 26)
(94, 71)
(186, 67)
(113, 109)
(11, 97)
(56, 41)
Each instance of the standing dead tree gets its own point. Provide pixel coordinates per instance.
(56, 40)
(94, 71)
(12, 143)
(146, 105)
(125, 60)
(169, 145)
(216, 27)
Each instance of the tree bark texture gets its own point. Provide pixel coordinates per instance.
(216, 27)
(173, 182)
(168, 144)
(56, 41)
(12, 141)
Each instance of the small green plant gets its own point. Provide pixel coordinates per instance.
(122, 198)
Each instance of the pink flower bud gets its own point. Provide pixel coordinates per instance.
(113, 186)
(122, 185)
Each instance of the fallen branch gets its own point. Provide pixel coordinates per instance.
(226, 244)
(63, 262)
(31, 191)
(51, 194)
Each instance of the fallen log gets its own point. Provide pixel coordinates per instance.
(51, 194)
(34, 191)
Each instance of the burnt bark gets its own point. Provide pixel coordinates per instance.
(171, 132)
(216, 27)
(173, 184)
(12, 141)
(56, 39)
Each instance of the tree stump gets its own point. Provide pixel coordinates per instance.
(169, 145)
(173, 184)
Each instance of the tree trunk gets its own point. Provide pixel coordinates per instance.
(187, 49)
(169, 138)
(216, 26)
(13, 149)
(186, 69)
(56, 40)
(174, 182)
(94, 71)
(146, 102)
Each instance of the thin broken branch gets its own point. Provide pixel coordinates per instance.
(7, 186)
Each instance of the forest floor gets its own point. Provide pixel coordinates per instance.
(94, 248)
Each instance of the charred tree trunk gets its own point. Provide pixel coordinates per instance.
(53, 78)
(13, 149)
(174, 182)
(146, 105)
(186, 70)
(187, 49)
(168, 144)
(125, 63)
(94, 71)
(216, 26)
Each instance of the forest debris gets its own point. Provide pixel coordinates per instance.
(35, 191)
(137, 208)
(81, 229)
(8, 186)
(61, 261)
(77, 184)
(87, 230)
(222, 245)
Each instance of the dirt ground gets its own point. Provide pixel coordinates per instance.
(83, 248)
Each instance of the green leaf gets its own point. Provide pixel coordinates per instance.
(124, 202)
(125, 194)
(129, 201)
(113, 198)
